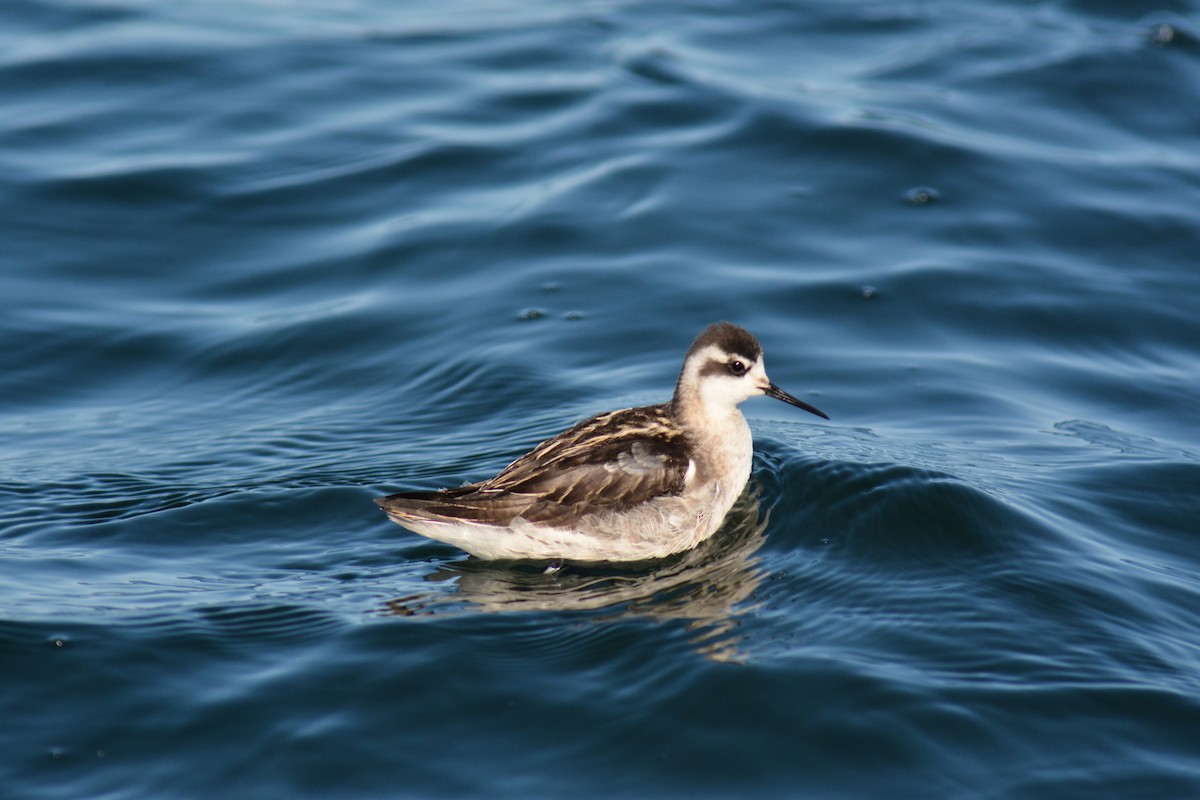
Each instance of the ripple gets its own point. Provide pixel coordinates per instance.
(255, 627)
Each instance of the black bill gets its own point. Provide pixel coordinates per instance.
(779, 394)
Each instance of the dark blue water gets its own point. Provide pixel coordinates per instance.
(262, 261)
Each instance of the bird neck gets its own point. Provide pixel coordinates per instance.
(702, 414)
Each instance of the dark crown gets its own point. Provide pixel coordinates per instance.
(729, 338)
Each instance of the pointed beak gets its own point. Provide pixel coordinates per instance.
(779, 394)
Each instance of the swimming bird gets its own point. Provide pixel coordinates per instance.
(628, 485)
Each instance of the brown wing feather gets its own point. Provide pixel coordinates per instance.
(611, 461)
(464, 503)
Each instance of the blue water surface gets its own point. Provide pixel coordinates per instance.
(263, 261)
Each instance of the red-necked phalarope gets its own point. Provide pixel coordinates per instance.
(629, 485)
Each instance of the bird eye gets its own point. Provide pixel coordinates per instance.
(737, 367)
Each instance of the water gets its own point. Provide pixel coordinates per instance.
(263, 261)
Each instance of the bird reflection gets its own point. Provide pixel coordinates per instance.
(705, 586)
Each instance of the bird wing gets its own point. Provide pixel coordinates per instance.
(604, 476)
(609, 462)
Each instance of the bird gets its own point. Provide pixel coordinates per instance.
(636, 484)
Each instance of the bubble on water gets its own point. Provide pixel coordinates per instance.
(530, 314)
(921, 196)
(1161, 34)
(1165, 30)
(868, 292)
